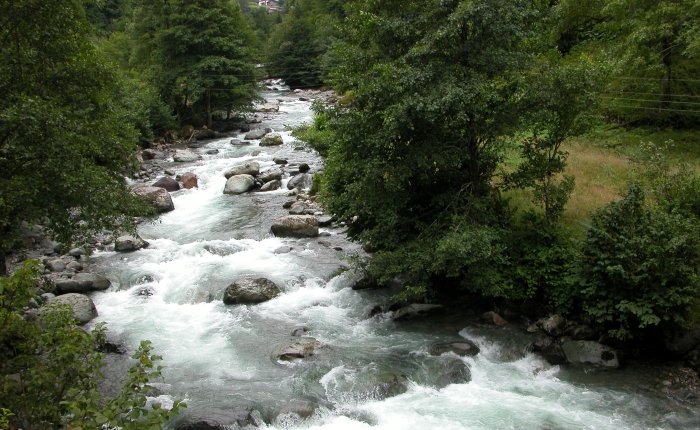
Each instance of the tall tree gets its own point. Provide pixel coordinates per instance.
(64, 139)
(200, 50)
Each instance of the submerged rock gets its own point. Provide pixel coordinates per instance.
(301, 348)
(463, 348)
(448, 371)
(300, 408)
(239, 184)
(587, 352)
(295, 226)
(250, 291)
(415, 310)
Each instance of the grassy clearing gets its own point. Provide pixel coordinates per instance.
(602, 163)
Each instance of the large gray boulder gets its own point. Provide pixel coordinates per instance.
(271, 139)
(300, 348)
(239, 184)
(258, 133)
(271, 174)
(300, 181)
(82, 283)
(250, 168)
(588, 352)
(250, 290)
(159, 198)
(129, 243)
(295, 226)
(81, 305)
(186, 156)
(168, 184)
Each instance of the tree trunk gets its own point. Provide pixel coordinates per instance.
(666, 86)
(3, 263)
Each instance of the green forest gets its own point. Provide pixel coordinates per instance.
(532, 154)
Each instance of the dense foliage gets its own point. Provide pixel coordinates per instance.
(50, 369)
(65, 137)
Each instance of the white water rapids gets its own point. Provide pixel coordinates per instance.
(218, 358)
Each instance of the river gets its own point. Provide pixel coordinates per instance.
(218, 357)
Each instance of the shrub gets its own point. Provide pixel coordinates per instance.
(639, 266)
(50, 369)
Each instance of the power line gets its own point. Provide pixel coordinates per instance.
(652, 101)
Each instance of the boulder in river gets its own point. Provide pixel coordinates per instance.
(415, 310)
(588, 352)
(299, 208)
(239, 184)
(300, 408)
(303, 168)
(271, 174)
(463, 348)
(189, 180)
(268, 107)
(250, 168)
(257, 133)
(81, 305)
(157, 197)
(129, 243)
(299, 348)
(271, 139)
(82, 283)
(295, 226)
(250, 290)
(300, 181)
(280, 161)
(168, 184)
(272, 185)
(448, 370)
(186, 156)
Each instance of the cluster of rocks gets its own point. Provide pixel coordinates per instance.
(562, 341)
(246, 177)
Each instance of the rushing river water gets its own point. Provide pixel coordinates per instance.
(218, 357)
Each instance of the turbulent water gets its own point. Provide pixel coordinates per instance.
(219, 360)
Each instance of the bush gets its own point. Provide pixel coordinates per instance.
(50, 369)
(639, 267)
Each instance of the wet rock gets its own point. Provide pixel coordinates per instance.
(250, 168)
(303, 168)
(159, 199)
(283, 250)
(81, 305)
(295, 226)
(211, 151)
(258, 133)
(299, 331)
(239, 184)
(448, 371)
(288, 204)
(77, 252)
(549, 348)
(203, 297)
(281, 161)
(299, 208)
(300, 408)
(82, 283)
(388, 384)
(168, 184)
(57, 265)
(325, 220)
(129, 243)
(586, 352)
(186, 156)
(189, 180)
(553, 325)
(272, 174)
(238, 142)
(250, 291)
(494, 318)
(150, 154)
(271, 186)
(463, 348)
(300, 181)
(200, 424)
(415, 310)
(271, 139)
(301, 348)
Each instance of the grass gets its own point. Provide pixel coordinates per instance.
(602, 164)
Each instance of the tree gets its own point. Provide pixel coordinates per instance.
(434, 87)
(200, 52)
(64, 139)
